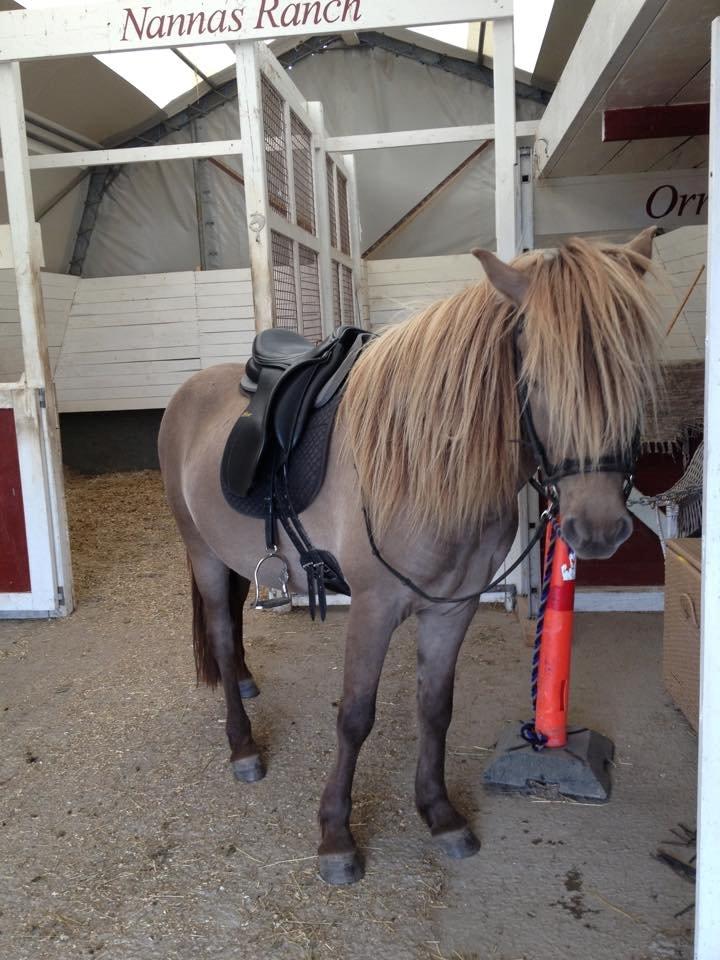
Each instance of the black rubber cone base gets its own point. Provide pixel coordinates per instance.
(580, 770)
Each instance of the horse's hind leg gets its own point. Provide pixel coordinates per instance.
(239, 588)
(440, 636)
(218, 595)
(368, 636)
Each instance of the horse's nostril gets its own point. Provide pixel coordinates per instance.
(569, 530)
(623, 529)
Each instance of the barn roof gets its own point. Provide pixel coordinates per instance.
(637, 53)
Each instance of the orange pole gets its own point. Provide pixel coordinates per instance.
(554, 666)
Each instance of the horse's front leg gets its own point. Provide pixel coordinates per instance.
(368, 636)
(440, 635)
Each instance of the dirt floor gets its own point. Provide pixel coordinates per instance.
(125, 837)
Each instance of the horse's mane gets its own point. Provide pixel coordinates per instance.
(431, 414)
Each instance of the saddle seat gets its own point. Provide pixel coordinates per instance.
(287, 378)
(275, 348)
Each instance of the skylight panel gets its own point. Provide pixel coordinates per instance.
(531, 20)
(159, 74)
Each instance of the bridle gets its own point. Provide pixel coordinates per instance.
(621, 461)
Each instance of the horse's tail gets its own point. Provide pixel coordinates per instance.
(205, 663)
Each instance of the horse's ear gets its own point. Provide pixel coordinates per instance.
(642, 244)
(509, 281)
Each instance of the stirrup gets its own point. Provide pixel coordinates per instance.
(278, 594)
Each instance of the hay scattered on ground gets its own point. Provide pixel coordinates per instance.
(124, 836)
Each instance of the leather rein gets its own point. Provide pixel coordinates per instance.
(550, 474)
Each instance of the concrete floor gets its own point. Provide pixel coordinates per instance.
(124, 836)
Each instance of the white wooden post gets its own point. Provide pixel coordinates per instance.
(505, 144)
(322, 208)
(361, 293)
(707, 893)
(49, 545)
(257, 206)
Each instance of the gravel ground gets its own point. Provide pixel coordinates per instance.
(125, 837)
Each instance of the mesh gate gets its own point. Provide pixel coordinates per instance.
(343, 216)
(337, 311)
(302, 174)
(346, 284)
(310, 294)
(296, 253)
(283, 273)
(275, 148)
(331, 201)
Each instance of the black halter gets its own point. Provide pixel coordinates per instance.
(621, 461)
(550, 473)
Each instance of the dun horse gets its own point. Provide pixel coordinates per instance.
(430, 439)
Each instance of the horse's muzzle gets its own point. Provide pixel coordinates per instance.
(595, 541)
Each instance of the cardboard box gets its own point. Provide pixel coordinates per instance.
(681, 635)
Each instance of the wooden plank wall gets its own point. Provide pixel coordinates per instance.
(399, 288)
(127, 343)
(680, 254)
(59, 291)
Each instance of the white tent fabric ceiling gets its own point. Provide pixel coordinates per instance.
(362, 91)
(147, 222)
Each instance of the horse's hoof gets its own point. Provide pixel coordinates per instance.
(248, 769)
(248, 688)
(338, 869)
(458, 844)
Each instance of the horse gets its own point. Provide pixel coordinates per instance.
(429, 450)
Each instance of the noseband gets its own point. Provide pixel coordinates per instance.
(622, 461)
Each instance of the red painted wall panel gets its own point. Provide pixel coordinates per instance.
(14, 562)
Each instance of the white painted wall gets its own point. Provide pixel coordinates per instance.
(58, 292)
(127, 343)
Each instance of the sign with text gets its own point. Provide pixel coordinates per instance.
(117, 26)
(6, 251)
(669, 199)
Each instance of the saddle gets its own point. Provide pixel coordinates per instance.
(287, 380)
(275, 457)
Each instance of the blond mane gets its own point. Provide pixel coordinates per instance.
(431, 414)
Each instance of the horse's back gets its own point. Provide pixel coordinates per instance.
(207, 404)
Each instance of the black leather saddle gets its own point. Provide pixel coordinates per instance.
(287, 380)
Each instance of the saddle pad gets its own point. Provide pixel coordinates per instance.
(306, 469)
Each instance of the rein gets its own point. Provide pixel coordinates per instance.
(547, 515)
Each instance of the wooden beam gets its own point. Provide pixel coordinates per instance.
(506, 200)
(61, 194)
(425, 201)
(322, 211)
(415, 138)
(228, 171)
(36, 416)
(62, 31)
(611, 33)
(707, 891)
(102, 158)
(257, 205)
(652, 123)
